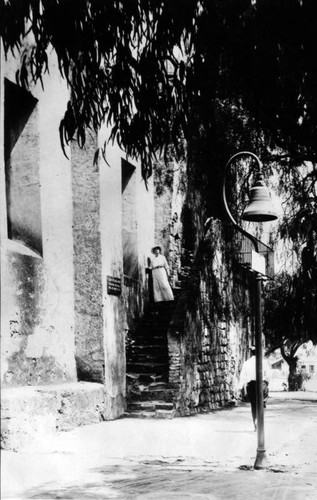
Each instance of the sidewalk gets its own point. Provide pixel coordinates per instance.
(298, 395)
(182, 458)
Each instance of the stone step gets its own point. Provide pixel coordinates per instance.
(157, 315)
(147, 361)
(140, 414)
(153, 385)
(153, 368)
(141, 345)
(155, 323)
(149, 394)
(149, 339)
(167, 414)
(141, 406)
(146, 378)
(157, 385)
(159, 312)
(140, 348)
(155, 331)
(148, 347)
(159, 306)
(150, 405)
(150, 409)
(148, 358)
(145, 390)
(155, 320)
(162, 394)
(148, 351)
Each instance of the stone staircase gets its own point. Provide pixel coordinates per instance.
(149, 395)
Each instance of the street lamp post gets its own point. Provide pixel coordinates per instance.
(261, 459)
(259, 209)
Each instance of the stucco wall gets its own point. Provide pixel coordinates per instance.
(37, 322)
(59, 322)
(111, 255)
(120, 311)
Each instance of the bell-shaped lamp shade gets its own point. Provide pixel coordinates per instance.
(260, 207)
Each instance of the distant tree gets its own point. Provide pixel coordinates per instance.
(298, 229)
(290, 316)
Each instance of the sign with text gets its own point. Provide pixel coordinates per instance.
(113, 285)
(256, 256)
(258, 263)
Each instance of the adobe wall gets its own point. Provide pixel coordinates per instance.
(60, 323)
(121, 311)
(40, 393)
(37, 301)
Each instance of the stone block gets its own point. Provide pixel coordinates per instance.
(26, 413)
(21, 430)
(80, 405)
(168, 414)
(29, 413)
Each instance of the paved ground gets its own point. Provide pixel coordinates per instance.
(209, 456)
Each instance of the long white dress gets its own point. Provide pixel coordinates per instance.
(161, 287)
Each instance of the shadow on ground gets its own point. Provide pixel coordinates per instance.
(166, 482)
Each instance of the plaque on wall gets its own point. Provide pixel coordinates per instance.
(113, 285)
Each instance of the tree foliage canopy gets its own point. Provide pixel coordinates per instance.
(143, 63)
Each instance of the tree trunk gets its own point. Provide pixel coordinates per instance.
(288, 352)
(293, 381)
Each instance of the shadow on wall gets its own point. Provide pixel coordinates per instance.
(21, 144)
(88, 373)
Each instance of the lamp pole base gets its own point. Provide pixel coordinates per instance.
(261, 462)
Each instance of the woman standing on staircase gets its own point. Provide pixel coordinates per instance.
(160, 272)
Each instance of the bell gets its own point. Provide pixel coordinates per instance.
(260, 207)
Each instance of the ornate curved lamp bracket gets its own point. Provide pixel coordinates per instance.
(234, 222)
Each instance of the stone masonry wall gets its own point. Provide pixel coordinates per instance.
(170, 183)
(163, 207)
(211, 325)
(87, 264)
(208, 339)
